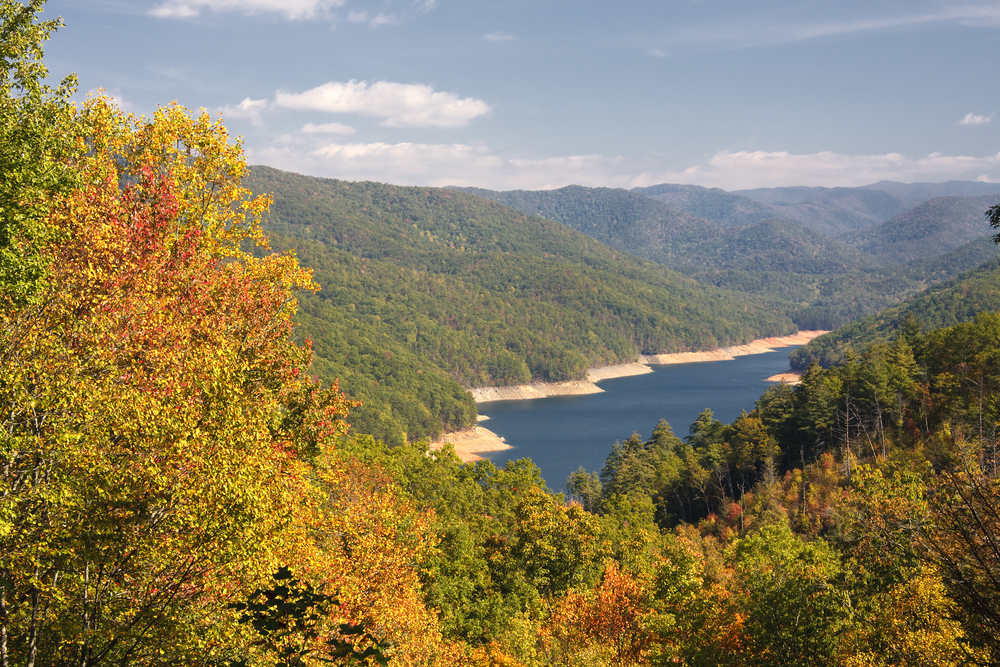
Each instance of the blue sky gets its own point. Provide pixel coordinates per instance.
(537, 94)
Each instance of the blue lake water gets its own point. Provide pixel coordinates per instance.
(562, 433)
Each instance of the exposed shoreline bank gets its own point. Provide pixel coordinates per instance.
(595, 375)
(788, 377)
(470, 442)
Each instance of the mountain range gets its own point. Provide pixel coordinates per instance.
(426, 292)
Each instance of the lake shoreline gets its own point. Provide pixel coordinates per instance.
(595, 375)
(468, 442)
(476, 440)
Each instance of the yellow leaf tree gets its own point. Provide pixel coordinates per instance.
(157, 421)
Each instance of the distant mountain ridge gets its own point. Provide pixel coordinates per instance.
(914, 194)
(630, 221)
(820, 281)
(718, 206)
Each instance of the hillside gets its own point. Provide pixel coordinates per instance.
(617, 218)
(718, 206)
(817, 281)
(426, 292)
(830, 211)
(943, 305)
(631, 221)
(930, 229)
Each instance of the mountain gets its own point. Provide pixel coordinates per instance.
(914, 194)
(718, 206)
(426, 292)
(932, 228)
(830, 211)
(633, 222)
(617, 218)
(943, 305)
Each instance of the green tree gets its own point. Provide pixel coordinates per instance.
(786, 590)
(36, 142)
(585, 487)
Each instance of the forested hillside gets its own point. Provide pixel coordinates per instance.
(942, 305)
(818, 281)
(934, 227)
(828, 211)
(425, 292)
(713, 204)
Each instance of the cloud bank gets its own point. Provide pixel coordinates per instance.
(398, 104)
(469, 165)
(327, 128)
(751, 169)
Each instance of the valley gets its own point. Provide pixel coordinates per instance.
(429, 293)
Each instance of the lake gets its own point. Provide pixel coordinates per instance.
(562, 433)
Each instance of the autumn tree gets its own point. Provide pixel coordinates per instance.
(157, 422)
(962, 538)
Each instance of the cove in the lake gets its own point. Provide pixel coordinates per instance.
(564, 432)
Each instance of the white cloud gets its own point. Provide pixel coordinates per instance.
(399, 104)
(499, 37)
(246, 110)
(752, 169)
(463, 164)
(437, 165)
(327, 128)
(293, 9)
(973, 119)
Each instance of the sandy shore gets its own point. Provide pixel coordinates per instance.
(758, 346)
(573, 388)
(537, 390)
(594, 375)
(617, 371)
(472, 441)
(788, 377)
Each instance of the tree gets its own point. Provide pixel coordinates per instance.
(785, 590)
(963, 538)
(585, 487)
(157, 422)
(993, 215)
(35, 144)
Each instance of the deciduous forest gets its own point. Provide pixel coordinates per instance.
(178, 487)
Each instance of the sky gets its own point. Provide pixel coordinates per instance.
(538, 94)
